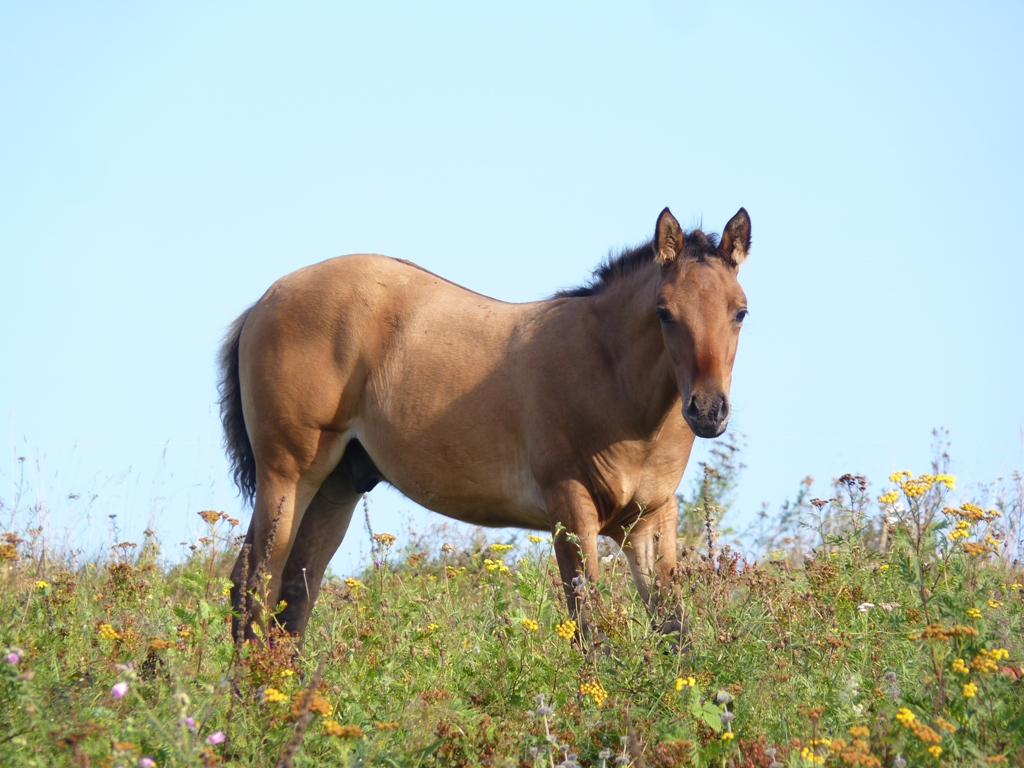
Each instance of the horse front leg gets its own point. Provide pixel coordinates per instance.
(575, 525)
(650, 550)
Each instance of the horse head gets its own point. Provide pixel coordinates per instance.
(701, 306)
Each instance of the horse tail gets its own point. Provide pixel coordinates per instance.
(236, 438)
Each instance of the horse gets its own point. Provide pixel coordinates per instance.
(575, 414)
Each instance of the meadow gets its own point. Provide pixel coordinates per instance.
(873, 628)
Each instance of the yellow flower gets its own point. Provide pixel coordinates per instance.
(537, 539)
(41, 584)
(353, 583)
(333, 728)
(994, 604)
(728, 736)
(566, 630)
(1016, 586)
(969, 690)
(810, 756)
(681, 681)
(960, 667)
(594, 689)
(935, 750)
(896, 477)
(859, 732)
(432, 627)
(273, 696)
(495, 565)
(974, 613)
(451, 571)
(384, 539)
(905, 716)
(107, 632)
(888, 498)
(884, 567)
(531, 625)
(499, 548)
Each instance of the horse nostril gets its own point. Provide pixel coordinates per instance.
(691, 409)
(723, 408)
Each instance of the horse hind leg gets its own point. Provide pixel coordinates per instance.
(323, 529)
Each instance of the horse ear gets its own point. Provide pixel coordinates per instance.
(736, 238)
(668, 238)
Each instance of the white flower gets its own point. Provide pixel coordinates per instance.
(864, 607)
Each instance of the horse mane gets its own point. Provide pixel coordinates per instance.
(698, 245)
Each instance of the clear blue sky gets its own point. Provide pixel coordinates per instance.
(160, 167)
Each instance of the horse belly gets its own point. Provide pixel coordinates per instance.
(490, 490)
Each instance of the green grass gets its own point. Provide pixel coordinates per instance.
(434, 659)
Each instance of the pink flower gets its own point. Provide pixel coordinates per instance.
(147, 762)
(13, 657)
(217, 737)
(189, 723)
(118, 691)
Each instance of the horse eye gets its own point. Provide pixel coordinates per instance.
(664, 316)
(741, 315)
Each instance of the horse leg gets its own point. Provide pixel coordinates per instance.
(650, 550)
(323, 529)
(284, 490)
(575, 546)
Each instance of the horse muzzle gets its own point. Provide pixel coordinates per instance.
(707, 413)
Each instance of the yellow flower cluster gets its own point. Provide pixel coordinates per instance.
(333, 728)
(934, 750)
(988, 661)
(905, 716)
(858, 752)
(888, 498)
(495, 565)
(970, 689)
(681, 681)
(972, 512)
(210, 516)
(566, 630)
(960, 667)
(974, 548)
(962, 530)
(530, 625)
(431, 627)
(451, 571)
(499, 548)
(924, 732)
(353, 583)
(273, 696)
(728, 736)
(974, 613)
(537, 539)
(810, 756)
(107, 632)
(317, 704)
(384, 539)
(945, 725)
(594, 689)
(939, 632)
(41, 584)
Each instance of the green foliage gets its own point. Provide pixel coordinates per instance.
(878, 632)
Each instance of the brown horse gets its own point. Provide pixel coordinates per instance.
(580, 410)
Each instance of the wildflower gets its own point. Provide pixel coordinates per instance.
(1016, 586)
(884, 567)
(728, 736)
(865, 607)
(970, 689)
(333, 728)
(13, 657)
(499, 548)
(147, 762)
(451, 571)
(809, 755)
(974, 613)
(119, 690)
(595, 690)
(431, 627)
(107, 632)
(384, 539)
(681, 681)
(209, 516)
(905, 716)
(935, 750)
(273, 696)
(530, 625)
(495, 565)
(190, 723)
(960, 667)
(945, 725)
(727, 717)
(566, 629)
(888, 498)
(899, 762)
(994, 604)
(723, 697)
(537, 539)
(217, 737)
(41, 584)
(859, 732)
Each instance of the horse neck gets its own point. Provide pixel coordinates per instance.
(632, 337)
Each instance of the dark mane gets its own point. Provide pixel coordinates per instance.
(699, 245)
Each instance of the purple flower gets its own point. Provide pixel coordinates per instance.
(118, 691)
(217, 737)
(189, 723)
(378, 564)
(147, 762)
(13, 657)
